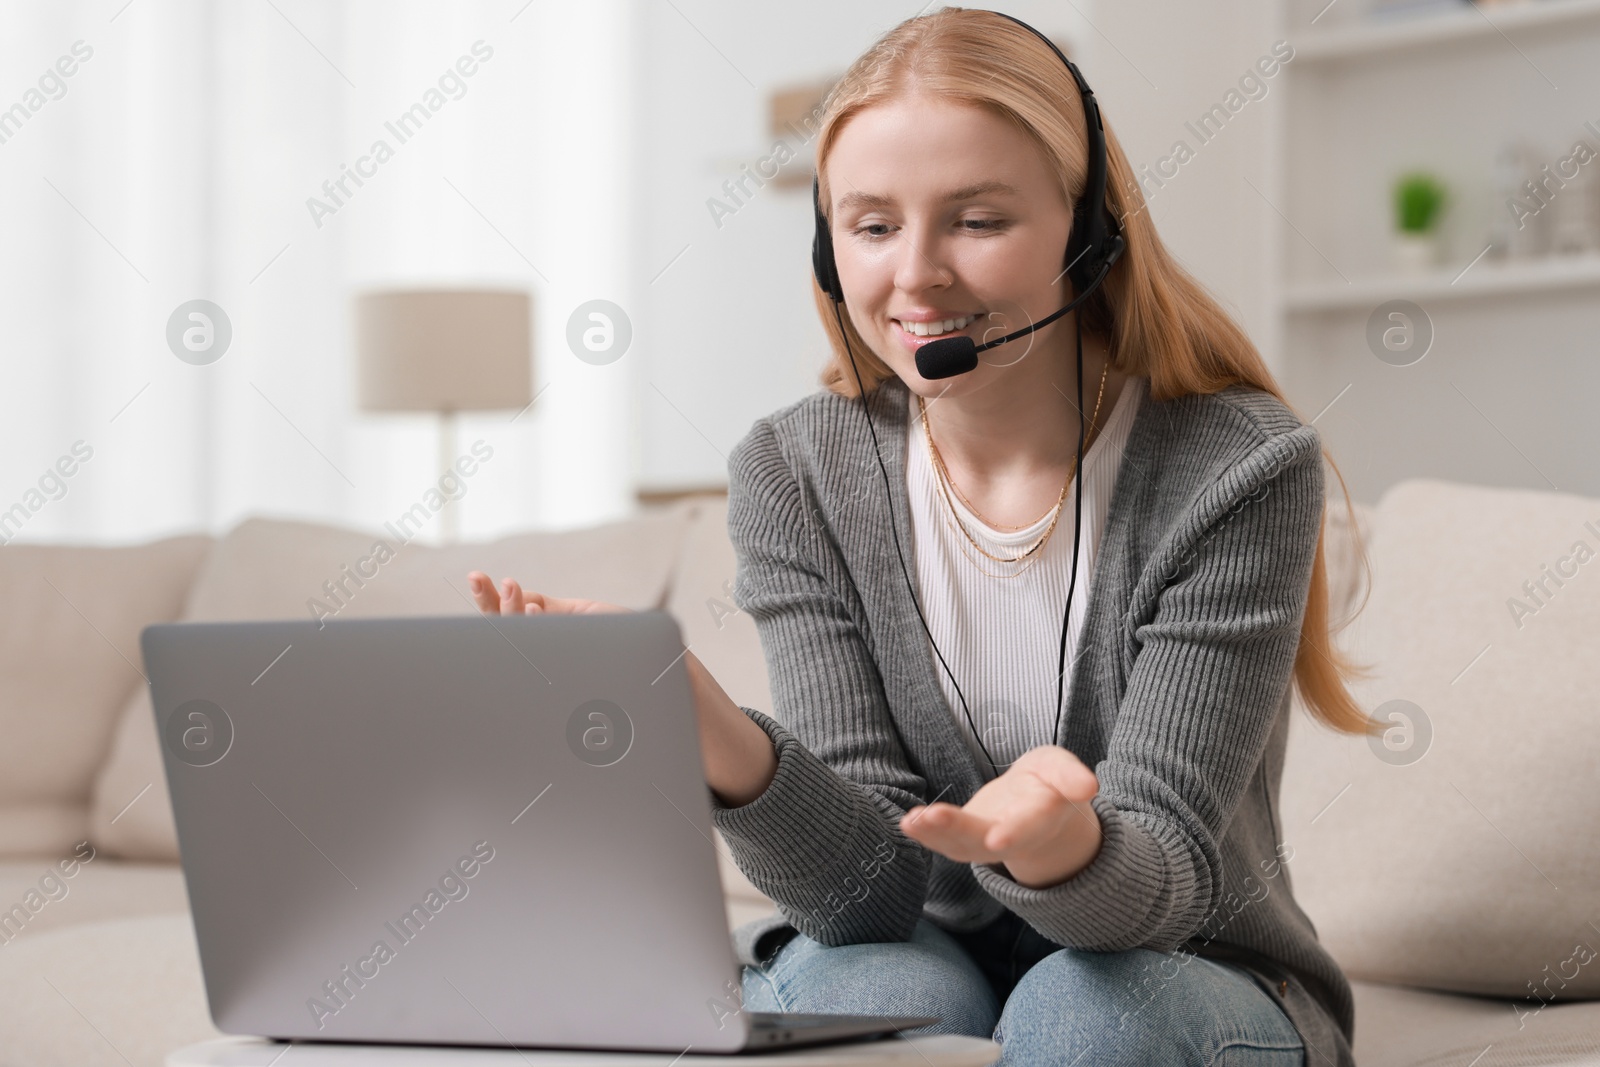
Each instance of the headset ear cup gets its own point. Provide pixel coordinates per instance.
(1105, 245)
(1082, 250)
(1115, 244)
(822, 264)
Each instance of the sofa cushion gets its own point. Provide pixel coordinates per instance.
(274, 569)
(69, 658)
(1413, 1028)
(722, 636)
(122, 993)
(40, 893)
(1466, 858)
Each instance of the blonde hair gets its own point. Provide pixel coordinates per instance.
(1158, 321)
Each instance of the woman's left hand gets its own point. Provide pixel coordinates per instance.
(1034, 820)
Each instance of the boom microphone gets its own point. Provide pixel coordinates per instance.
(950, 356)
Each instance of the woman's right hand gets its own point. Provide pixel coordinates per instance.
(511, 600)
(738, 755)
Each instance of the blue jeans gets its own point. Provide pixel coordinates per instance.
(1042, 1003)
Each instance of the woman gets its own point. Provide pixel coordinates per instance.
(1100, 882)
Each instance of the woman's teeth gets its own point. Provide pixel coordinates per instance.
(933, 329)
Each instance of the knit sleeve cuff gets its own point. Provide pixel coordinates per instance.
(792, 831)
(1103, 906)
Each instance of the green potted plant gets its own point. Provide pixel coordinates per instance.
(1419, 199)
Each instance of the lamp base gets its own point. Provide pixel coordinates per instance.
(448, 526)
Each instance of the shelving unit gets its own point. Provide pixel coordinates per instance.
(1505, 394)
(1548, 274)
(1418, 32)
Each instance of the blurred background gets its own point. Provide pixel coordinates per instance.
(296, 258)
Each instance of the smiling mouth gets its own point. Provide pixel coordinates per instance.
(936, 329)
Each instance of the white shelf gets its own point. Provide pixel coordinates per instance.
(1545, 275)
(1422, 31)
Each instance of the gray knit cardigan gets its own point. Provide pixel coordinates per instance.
(1178, 696)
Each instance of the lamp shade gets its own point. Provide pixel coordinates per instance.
(443, 349)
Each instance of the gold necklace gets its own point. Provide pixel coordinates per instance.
(943, 478)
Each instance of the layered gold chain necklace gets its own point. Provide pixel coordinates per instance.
(947, 486)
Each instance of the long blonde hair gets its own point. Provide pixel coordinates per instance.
(1158, 321)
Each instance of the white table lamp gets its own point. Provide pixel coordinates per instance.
(444, 351)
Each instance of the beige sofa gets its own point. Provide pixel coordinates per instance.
(1472, 870)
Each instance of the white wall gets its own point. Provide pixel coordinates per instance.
(1156, 68)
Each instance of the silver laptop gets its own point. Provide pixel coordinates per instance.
(468, 830)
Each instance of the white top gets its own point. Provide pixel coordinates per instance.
(1001, 635)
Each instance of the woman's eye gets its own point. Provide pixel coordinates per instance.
(877, 230)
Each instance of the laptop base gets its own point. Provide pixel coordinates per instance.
(939, 1050)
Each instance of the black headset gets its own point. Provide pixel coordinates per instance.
(1093, 248)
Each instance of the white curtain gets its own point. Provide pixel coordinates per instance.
(176, 162)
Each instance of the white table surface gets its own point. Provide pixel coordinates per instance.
(935, 1051)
